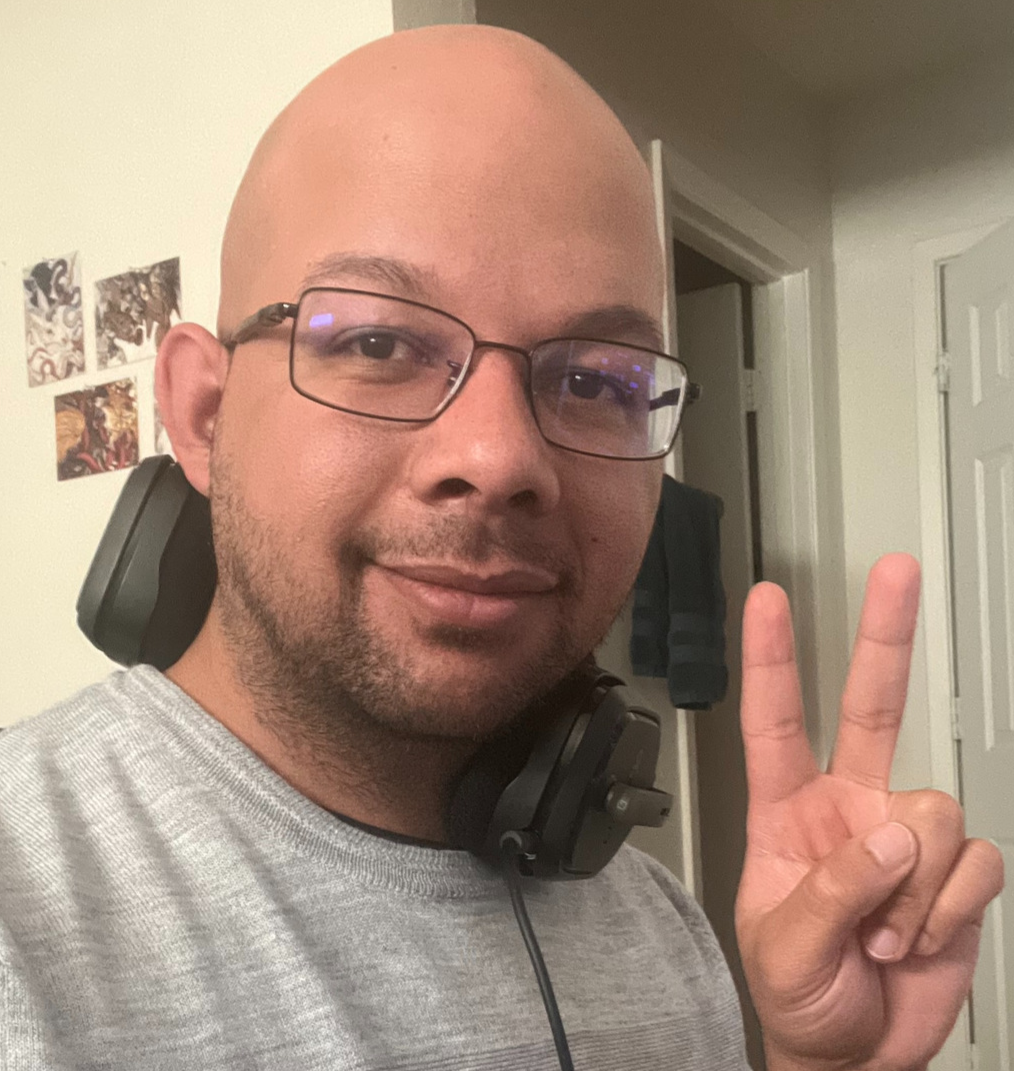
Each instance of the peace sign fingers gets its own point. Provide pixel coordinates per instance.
(877, 685)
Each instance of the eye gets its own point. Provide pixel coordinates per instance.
(371, 346)
(376, 345)
(589, 385)
(585, 384)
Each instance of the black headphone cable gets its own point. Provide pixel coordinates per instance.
(512, 847)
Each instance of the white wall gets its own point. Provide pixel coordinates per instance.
(928, 159)
(124, 130)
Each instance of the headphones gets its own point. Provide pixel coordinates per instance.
(564, 788)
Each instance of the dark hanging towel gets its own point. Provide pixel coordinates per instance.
(679, 603)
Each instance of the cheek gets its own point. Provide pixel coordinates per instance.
(617, 516)
(309, 472)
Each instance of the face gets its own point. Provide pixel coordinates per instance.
(433, 579)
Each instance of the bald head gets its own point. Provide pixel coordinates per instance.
(464, 137)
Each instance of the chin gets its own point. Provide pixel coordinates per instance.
(469, 697)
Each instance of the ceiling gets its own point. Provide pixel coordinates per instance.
(836, 48)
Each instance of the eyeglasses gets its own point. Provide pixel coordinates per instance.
(395, 359)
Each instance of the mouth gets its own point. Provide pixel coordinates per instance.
(459, 597)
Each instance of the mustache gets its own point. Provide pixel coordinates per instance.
(459, 541)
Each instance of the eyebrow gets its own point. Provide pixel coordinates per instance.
(408, 279)
(613, 322)
(617, 323)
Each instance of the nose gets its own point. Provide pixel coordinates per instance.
(485, 450)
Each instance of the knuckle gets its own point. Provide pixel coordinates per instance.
(776, 727)
(987, 861)
(874, 719)
(938, 811)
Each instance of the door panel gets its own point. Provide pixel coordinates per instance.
(979, 293)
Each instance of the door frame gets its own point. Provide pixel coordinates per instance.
(935, 549)
(703, 212)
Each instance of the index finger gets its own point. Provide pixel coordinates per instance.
(877, 685)
(779, 760)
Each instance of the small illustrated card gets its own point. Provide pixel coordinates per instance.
(54, 320)
(134, 310)
(96, 430)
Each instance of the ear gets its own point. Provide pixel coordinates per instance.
(190, 375)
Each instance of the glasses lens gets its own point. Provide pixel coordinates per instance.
(376, 355)
(606, 399)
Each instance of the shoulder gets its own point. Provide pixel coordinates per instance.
(653, 892)
(60, 734)
(638, 868)
(58, 764)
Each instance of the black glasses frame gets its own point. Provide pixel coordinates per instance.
(270, 316)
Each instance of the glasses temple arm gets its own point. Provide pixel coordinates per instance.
(672, 396)
(262, 319)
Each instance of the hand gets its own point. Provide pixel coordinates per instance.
(859, 909)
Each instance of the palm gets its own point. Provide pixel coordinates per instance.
(820, 994)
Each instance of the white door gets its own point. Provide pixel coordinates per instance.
(979, 306)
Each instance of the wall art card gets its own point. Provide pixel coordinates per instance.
(96, 430)
(54, 320)
(134, 310)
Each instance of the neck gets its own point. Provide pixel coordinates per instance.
(374, 776)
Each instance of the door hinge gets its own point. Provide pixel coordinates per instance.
(750, 390)
(943, 372)
(955, 717)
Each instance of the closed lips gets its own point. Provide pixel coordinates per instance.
(523, 581)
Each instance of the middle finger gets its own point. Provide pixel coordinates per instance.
(877, 683)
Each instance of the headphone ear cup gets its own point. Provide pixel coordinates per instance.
(150, 583)
(509, 781)
(187, 575)
(478, 791)
(572, 788)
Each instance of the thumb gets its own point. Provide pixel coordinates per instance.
(809, 928)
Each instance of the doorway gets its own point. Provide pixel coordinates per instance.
(793, 541)
(720, 454)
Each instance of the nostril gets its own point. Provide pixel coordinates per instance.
(525, 499)
(454, 488)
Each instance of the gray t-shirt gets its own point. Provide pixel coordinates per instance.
(168, 902)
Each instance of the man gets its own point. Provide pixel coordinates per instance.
(241, 863)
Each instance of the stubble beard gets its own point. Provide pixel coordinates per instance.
(324, 677)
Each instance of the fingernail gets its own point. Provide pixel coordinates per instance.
(883, 944)
(891, 845)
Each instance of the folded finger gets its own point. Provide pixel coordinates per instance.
(938, 824)
(976, 879)
(799, 946)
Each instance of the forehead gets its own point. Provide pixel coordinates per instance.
(521, 207)
(406, 280)
(470, 252)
